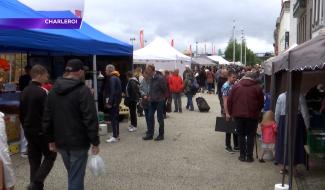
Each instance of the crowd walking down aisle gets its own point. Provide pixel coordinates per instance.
(191, 156)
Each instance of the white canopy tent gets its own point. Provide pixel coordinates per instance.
(161, 54)
(219, 59)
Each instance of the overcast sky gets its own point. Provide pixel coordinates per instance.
(185, 21)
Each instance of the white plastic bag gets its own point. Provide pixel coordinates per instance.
(96, 165)
(10, 179)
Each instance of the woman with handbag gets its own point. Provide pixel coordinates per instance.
(131, 100)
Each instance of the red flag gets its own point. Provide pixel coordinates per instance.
(172, 43)
(78, 13)
(141, 39)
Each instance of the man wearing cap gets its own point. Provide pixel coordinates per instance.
(70, 122)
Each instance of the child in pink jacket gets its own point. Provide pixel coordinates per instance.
(268, 128)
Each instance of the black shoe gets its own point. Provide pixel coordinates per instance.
(236, 149)
(147, 138)
(242, 159)
(229, 150)
(180, 111)
(35, 186)
(159, 138)
(192, 109)
(187, 107)
(250, 159)
(261, 160)
(175, 111)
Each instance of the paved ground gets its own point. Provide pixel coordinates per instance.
(191, 157)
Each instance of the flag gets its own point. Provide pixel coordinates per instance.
(141, 39)
(78, 13)
(172, 43)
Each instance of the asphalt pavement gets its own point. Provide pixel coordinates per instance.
(192, 157)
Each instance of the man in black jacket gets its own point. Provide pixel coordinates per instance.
(32, 101)
(157, 91)
(70, 122)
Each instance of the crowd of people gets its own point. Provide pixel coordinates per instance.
(63, 119)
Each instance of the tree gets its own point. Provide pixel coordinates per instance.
(251, 58)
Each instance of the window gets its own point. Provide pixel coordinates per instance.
(317, 13)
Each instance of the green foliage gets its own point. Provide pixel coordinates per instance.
(251, 58)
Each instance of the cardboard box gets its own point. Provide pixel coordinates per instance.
(12, 128)
(14, 148)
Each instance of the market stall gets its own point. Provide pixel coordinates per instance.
(161, 54)
(295, 72)
(50, 45)
(220, 60)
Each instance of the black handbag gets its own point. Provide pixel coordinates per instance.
(225, 126)
(127, 101)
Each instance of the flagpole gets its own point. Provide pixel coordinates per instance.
(241, 46)
(245, 50)
(234, 43)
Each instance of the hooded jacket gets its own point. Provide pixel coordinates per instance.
(175, 83)
(188, 85)
(246, 99)
(113, 89)
(132, 90)
(70, 117)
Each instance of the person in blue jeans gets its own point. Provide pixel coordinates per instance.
(189, 90)
(156, 99)
(70, 122)
(144, 91)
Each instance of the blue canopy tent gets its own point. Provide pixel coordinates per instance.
(86, 41)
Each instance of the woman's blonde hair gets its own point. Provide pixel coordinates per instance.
(268, 116)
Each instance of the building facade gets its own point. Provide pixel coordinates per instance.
(281, 34)
(317, 17)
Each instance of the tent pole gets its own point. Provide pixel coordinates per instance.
(273, 88)
(95, 81)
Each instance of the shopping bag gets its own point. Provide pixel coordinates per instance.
(168, 107)
(8, 173)
(225, 126)
(96, 165)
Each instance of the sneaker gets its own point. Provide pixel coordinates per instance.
(229, 150)
(132, 129)
(236, 149)
(112, 140)
(24, 155)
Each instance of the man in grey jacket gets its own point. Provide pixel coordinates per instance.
(158, 89)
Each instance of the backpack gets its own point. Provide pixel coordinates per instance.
(194, 86)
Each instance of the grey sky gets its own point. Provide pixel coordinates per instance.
(185, 21)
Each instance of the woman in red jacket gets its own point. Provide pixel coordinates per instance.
(176, 87)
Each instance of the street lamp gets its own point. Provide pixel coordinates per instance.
(132, 40)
